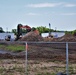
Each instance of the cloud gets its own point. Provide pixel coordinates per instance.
(68, 14)
(41, 5)
(33, 14)
(70, 5)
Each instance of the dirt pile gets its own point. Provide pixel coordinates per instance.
(32, 36)
(66, 38)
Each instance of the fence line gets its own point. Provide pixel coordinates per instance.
(11, 42)
(67, 52)
(26, 60)
(67, 59)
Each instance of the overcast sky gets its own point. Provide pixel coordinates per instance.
(61, 14)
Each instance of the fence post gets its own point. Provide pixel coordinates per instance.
(26, 60)
(67, 72)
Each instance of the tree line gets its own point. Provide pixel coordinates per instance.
(41, 29)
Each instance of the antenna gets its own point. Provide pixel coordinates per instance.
(49, 29)
(7, 29)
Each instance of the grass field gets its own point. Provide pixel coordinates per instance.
(34, 67)
(14, 48)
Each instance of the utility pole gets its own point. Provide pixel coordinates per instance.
(7, 29)
(55, 29)
(49, 29)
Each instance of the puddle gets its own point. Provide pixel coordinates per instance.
(7, 52)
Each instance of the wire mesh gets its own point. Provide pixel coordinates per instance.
(41, 58)
(46, 58)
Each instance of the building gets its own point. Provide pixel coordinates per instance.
(54, 34)
(3, 36)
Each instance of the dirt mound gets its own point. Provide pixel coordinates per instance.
(32, 36)
(66, 38)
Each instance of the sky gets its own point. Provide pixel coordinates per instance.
(61, 14)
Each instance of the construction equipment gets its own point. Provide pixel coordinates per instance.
(19, 30)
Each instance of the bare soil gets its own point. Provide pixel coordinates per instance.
(43, 59)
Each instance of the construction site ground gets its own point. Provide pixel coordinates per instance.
(43, 59)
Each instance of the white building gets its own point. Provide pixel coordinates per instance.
(58, 34)
(54, 34)
(3, 35)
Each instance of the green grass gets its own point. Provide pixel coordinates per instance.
(15, 48)
(1, 46)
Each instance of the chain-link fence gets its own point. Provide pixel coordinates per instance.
(49, 58)
(37, 58)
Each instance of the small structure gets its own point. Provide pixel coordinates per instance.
(54, 34)
(3, 36)
(45, 34)
(57, 34)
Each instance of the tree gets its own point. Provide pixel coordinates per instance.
(1, 30)
(14, 31)
(74, 32)
(42, 29)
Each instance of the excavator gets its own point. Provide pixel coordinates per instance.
(28, 29)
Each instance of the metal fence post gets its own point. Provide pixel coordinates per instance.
(67, 67)
(26, 60)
